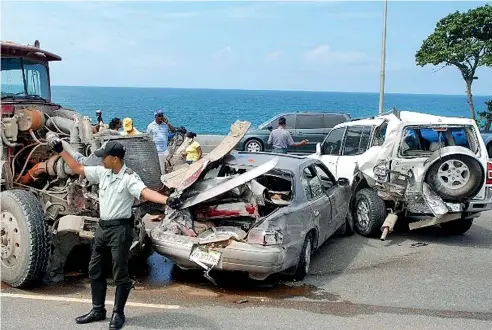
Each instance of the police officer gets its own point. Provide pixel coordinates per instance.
(118, 187)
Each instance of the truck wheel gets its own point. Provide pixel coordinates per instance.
(369, 213)
(25, 240)
(253, 145)
(304, 263)
(456, 227)
(456, 177)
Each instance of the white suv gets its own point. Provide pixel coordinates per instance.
(422, 168)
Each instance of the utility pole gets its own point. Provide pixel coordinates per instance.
(383, 60)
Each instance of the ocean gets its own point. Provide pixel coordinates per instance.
(209, 111)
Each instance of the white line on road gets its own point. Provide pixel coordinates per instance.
(79, 300)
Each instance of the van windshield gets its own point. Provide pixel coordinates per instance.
(419, 140)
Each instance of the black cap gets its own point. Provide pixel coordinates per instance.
(112, 148)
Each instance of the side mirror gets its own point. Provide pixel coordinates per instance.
(343, 182)
(270, 128)
(318, 149)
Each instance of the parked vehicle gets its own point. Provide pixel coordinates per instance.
(487, 138)
(302, 125)
(425, 169)
(257, 212)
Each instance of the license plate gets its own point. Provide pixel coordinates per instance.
(205, 256)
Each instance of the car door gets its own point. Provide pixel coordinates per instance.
(355, 143)
(318, 202)
(338, 197)
(330, 149)
(310, 127)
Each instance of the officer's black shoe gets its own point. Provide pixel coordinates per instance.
(93, 316)
(117, 321)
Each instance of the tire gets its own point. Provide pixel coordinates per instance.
(304, 263)
(369, 213)
(456, 177)
(23, 223)
(347, 229)
(489, 149)
(253, 145)
(456, 227)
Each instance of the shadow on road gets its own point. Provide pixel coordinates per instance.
(171, 320)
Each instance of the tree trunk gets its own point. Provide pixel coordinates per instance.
(470, 98)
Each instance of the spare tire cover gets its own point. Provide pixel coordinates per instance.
(456, 177)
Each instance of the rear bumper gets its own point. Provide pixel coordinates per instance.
(481, 205)
(238, 256)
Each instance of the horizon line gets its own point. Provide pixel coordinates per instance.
(267, 90)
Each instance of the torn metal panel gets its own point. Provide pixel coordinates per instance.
(433, 201)
(220, 234)
(185, 177)
(231, 184)
(431, 221)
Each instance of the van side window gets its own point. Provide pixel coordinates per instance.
(356, 140)
(332, 120)
(333, 142)
(309, 121)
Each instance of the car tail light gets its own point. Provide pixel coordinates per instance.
(265, 237)
(7, 109)
(489, 174)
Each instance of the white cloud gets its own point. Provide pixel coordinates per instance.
(276, 55)
(323, 53)
(223, 54)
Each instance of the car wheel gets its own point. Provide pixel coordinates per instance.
(456, 227)
(253, 145)
(456, 177)
(25, 239)
(369, 213)
(304, 263)
(489, 149)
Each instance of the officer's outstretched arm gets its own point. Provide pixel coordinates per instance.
(72, 163)
(153, 196)
(55, 143)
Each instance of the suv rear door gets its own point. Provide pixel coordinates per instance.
(309, 126)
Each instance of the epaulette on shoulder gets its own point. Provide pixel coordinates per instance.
(129, 171)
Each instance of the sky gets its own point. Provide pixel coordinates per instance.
(318, 46)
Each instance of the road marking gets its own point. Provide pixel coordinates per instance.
(87, 301)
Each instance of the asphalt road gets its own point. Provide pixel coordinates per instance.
(419, 279)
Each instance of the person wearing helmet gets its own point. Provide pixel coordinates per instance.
(128, 128)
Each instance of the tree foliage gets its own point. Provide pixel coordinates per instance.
(463, 40)
(485, 117)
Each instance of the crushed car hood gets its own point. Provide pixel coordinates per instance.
(186, 176)
(231, 184)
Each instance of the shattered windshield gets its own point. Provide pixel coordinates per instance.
(425, 140)
(22, 78)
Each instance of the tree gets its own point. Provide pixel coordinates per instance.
(486, 116)
(463, 40)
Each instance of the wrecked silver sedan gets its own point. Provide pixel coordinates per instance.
(256, 212)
